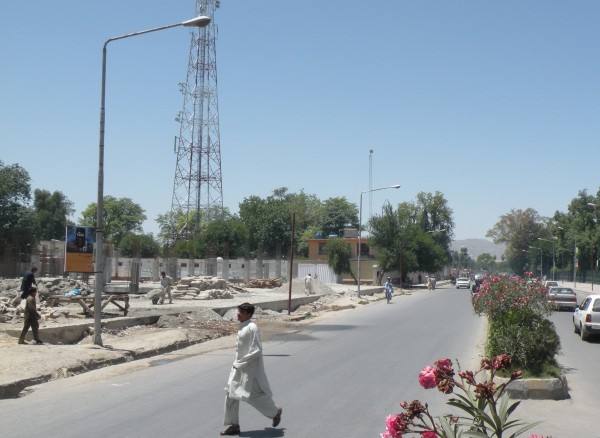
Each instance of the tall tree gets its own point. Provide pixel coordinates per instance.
(338, 257)
(226, 238)
(268, 221)
(139, 245)
(122, 216)
(16, 224)
(337, 214)
(407, 240)
(51, 213)
(518, 229)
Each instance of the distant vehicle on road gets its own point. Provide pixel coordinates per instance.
(476, 285)
(549, 284)
(562, 298)
(586, 318)
(463, 282)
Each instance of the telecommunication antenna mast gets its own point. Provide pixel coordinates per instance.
(198, 188)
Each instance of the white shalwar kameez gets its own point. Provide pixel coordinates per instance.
(247, 380)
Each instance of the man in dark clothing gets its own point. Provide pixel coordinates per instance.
(28, 282)
(31, 318)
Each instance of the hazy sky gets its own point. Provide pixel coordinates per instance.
(494, 104)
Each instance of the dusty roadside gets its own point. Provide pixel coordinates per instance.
(192, 325)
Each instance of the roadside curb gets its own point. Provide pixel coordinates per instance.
(554, 388)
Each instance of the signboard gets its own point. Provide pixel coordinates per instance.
(79, 256)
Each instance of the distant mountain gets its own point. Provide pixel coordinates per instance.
(476, 247)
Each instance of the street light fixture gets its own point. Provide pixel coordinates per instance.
(574, 257)
(541, 261)
(553, 258)
(396, 186)
(200, 21)
(591, 204)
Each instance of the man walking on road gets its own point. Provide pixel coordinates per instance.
(247, 379)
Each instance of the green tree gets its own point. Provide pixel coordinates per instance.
(16, 223)
(337, 214)
(122, 216)
(268, 221)
(338, 257)
(518, 229)
(486, 261)
(139, 245)
(177, 225)
(51, 213)
(226, 238)
(415, 237)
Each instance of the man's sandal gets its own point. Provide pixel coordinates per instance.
(277, 417)
(234, 429)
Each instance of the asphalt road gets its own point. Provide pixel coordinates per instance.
(338, 377)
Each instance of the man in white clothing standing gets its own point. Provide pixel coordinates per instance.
(308, 287)
(247, 379)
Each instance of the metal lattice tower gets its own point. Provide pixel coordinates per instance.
(198, 188)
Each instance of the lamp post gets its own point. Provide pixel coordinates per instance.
(553, 258)
(591, 204)
(541, 261)
(200, 21)
(396, 186)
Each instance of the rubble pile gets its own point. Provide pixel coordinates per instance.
(11, 306)
(265, 283)
(200, 288)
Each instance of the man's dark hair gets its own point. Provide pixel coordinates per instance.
(163, 273)
(246, 308)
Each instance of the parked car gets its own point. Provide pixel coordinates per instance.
(586, 318)
(462, 282)
(549, 284)
(562, 298)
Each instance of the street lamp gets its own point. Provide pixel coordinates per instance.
(574, 257)
(553, 258)
(591, 204)
(541, 261)
(200, 21)
(396, 186)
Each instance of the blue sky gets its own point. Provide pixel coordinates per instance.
(494, 104)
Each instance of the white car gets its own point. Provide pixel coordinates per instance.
(586, 318)
(463, 282)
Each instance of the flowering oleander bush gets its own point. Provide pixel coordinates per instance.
(517, 312)
(500, 295)
(485, 407)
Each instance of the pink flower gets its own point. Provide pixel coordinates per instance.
(394, 428)
(427, 378)
(445, 365)
(429, 434)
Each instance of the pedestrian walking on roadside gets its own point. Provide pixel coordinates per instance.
(31, 317)
(389, 290)
(308, 288)
(247, 379)
(28, 282)
(165, 282)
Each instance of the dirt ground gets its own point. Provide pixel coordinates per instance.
(205, 323)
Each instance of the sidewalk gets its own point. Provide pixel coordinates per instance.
(22, 366)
